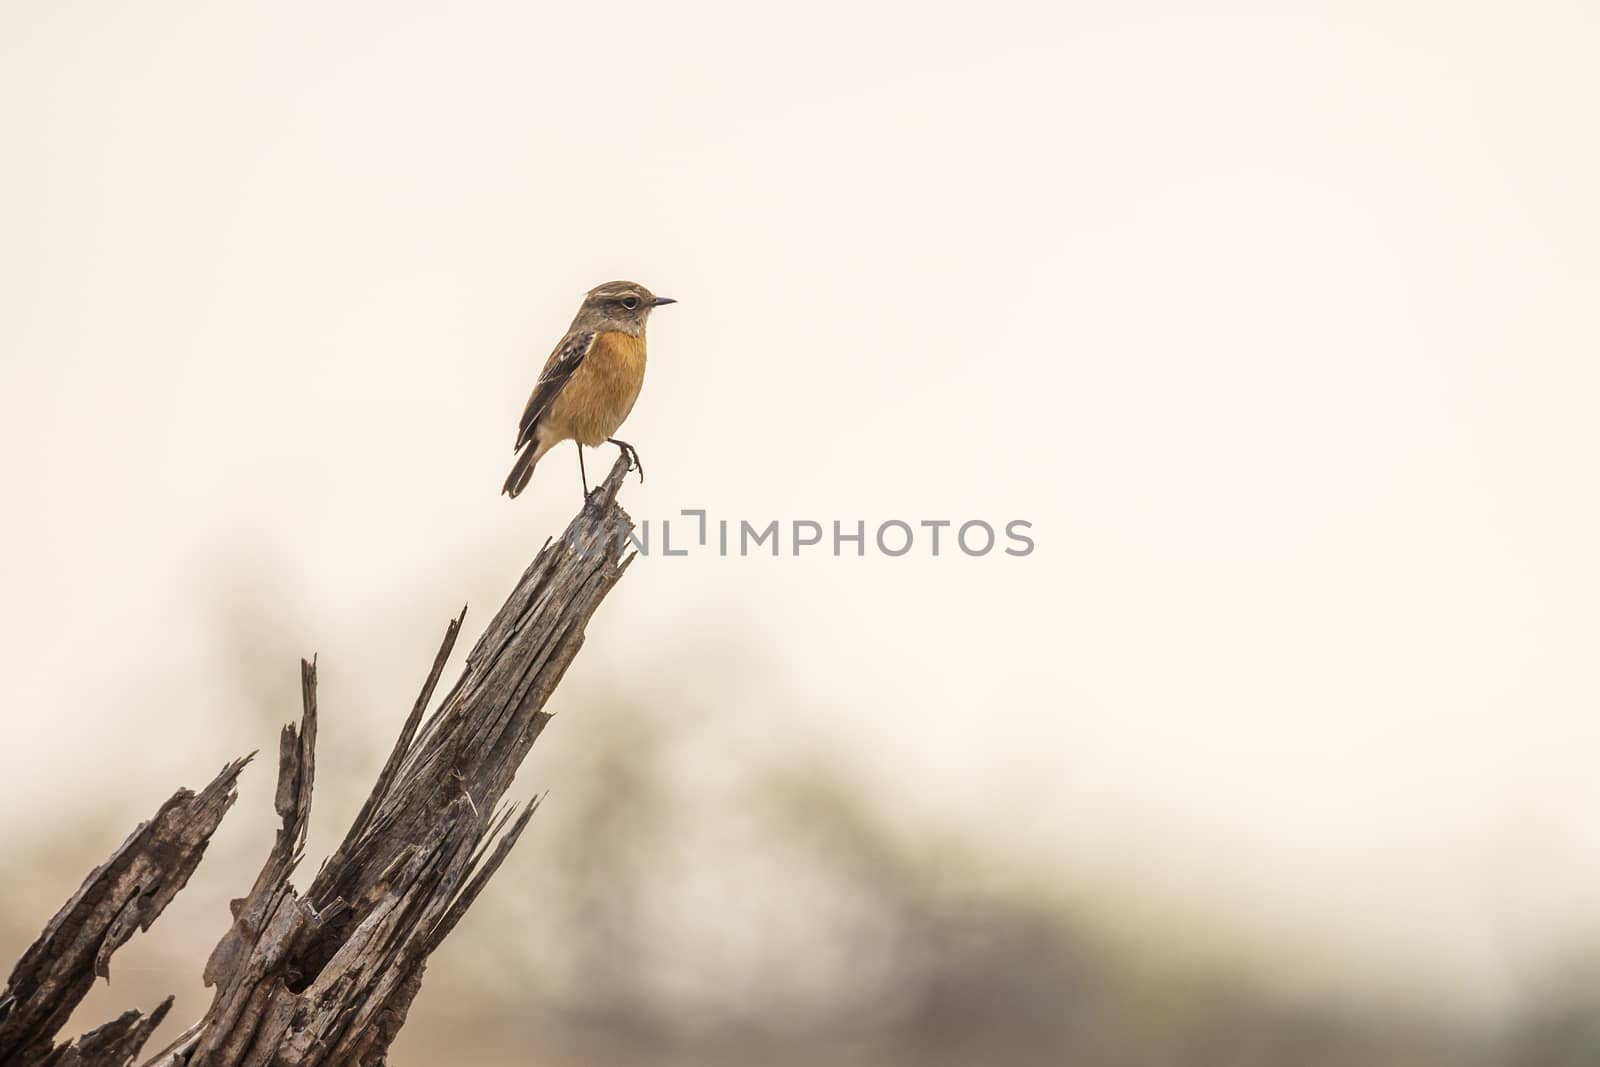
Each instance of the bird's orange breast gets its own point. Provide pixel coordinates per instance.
(602, 390)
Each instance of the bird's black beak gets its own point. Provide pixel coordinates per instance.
(658, 301)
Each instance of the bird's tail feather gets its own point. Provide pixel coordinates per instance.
(521, 470)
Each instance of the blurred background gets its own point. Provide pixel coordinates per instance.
(1275, 320)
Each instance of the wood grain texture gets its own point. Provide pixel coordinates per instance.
(327, 978)
(125, 893)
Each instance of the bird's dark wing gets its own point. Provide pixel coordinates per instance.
(558, 369)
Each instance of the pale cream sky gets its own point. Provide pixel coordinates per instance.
(1277, 321)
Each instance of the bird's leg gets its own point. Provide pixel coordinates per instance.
(634, 462)
(581, 472)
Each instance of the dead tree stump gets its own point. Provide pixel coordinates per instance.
(328, 977)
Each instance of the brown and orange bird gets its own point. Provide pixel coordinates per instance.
(590, 381)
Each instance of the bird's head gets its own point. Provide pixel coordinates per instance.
(620, 306)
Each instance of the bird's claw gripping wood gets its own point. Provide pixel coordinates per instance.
(634, 462)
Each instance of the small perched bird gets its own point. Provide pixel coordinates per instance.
(590, 381)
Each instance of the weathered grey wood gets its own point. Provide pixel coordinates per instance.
(127, 892)
(327, 978)
(115, 1043)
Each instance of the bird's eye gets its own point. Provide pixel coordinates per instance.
(630, 302)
